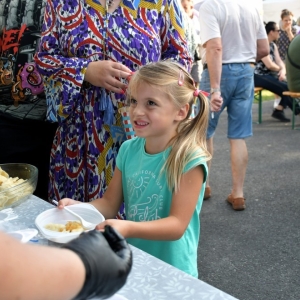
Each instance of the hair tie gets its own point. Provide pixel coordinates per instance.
(181, 78)
(197, 92)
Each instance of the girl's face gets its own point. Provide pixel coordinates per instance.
(287, 22)
(153, 115)
(188, 6)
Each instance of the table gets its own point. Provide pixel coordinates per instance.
(150, 278)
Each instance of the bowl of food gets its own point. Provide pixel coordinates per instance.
(60, 226)
(17, 182)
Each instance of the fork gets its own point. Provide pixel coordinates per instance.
(85, 224)
(7, 214)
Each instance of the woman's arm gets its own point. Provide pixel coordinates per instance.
(279, 62)
(36, 272)
(270, 65)
(111, 201)
(172, 227)
(96, 264)
(172, 35)
(62, 66)
(62, 71)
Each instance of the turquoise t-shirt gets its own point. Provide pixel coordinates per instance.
(147, 197)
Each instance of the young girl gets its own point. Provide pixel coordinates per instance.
(161, 173)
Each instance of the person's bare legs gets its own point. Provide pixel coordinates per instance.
(239, 161)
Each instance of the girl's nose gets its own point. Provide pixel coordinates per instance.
(138, 110)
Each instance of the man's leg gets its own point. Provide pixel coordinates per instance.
(239, 161)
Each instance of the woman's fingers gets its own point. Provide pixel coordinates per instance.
(108, 74)
(115, 86)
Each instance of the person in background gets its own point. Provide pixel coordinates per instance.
(297, 26)
(96, 264)
(286, 32)
(293, 65)
(25, 134)
(228, 71)
(87, 52)
(193, 38)
(161, 173)
(270, 74)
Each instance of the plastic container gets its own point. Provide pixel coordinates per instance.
(15, 195)
(61, 216)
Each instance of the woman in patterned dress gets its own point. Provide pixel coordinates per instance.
(286, 32)
(88, 48)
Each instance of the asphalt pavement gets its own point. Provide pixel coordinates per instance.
(255, 254)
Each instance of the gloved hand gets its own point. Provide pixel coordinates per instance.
(107, 259)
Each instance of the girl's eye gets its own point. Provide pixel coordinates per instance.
(151, 103)
(132, 101)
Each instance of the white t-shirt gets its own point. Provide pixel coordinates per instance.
(239, 25)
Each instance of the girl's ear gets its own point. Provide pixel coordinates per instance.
(182, 113)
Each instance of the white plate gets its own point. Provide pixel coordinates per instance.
(23, 235)
(61, 216)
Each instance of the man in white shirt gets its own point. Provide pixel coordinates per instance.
(234, 38)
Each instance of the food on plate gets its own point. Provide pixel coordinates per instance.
(9, 195)
(71, 226)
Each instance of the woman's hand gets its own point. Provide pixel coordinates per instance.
(66, 202)
(107, 74)
(122, 226)
(287, 26)
(281, 75)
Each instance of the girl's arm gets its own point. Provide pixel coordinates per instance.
(111, 201)
(172, 227)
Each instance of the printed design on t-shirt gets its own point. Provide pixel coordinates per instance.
(20, 33)
(143, 189)
(146, 211)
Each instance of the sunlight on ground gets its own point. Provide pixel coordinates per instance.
(266, 96)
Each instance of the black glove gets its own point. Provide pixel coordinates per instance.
(107, 259)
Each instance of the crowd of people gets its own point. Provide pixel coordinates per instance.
(270, 72)
(70, 71)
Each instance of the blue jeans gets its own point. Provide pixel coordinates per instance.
(237, 90)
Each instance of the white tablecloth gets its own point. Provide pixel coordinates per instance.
(150, 278)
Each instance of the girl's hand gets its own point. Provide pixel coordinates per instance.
(122, 226)
(107, 74)
(66, 201)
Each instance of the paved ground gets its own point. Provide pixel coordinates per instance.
(255, 254)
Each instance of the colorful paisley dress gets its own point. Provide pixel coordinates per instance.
(90, 128)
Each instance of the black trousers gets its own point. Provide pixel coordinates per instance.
(28, 141)
(272, 84)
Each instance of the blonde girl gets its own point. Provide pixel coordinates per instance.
(161, 173)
